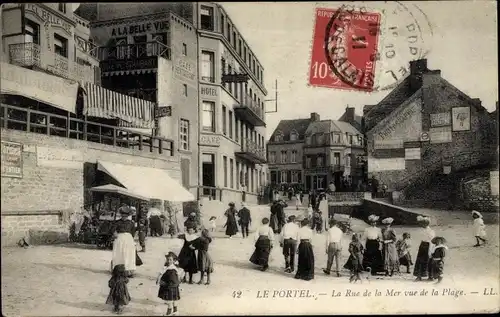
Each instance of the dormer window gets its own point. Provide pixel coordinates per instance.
(293, 136)
(62, 7)
(278, 137)
(319, 139)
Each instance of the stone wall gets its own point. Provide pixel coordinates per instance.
(53, 175)
(402, 216)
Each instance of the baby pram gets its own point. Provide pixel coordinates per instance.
(105, 234)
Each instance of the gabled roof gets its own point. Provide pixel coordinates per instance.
(387, 105)
(346, 127)
(327, 126)
(285, 127)
(357, 120)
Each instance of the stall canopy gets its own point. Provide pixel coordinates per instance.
(110, 188)
(104, 103)
(147, 182)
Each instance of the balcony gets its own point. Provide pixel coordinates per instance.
(144, 94)
(324, 169)
(252, 152)
(248, 110)
(25, 54)
(29, 55)
(133, 51)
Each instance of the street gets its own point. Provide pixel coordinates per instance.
(72, 280)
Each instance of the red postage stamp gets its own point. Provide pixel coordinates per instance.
(344, 51)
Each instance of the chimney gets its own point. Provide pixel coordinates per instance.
(417, 69)
(314, 116)
(477, 102)
(349, 114)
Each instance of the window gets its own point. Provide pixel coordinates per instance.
(230, 71)
(294, 157)
(184, 49)
(283, 176)
(229, 32)
(336, 158)
(253, 66)
(261, 76)
(207, 66)
(208, 118)
(236, 90)
(224, 160)
(319, 139)
(350, 139)
(239, 47)
(207, 18)
(237, 174)
(184, 134)
(278, 137)
(185, 92)
(224, 120)
(236, 134)
(222, 24)
(60, 45)
(295, 176)
(272, 157)
(336, 138)
(245, 54)
(319, 161)
(230, 124)
(231, 173)
(283, 157)
(308, 162)
(62, 7)
(258, 72)
(348, 160)
(293, 136)
(234, 39)
(31, 32)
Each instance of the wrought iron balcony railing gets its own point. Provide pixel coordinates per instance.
(252, 104)
(25, 54)
(252, 151)
(133, 51)
(250, 111)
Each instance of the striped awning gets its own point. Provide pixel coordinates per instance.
(104, 103)
(129, 72)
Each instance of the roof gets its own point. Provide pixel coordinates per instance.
(357, 120)
(327, 126)
(387, 105)
(346, 127)
(287, 126)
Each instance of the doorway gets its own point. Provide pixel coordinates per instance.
(208, 174)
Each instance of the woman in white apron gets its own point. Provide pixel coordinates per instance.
(124, 250)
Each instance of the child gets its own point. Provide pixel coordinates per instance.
(169, 280)
(318, 222)
(118, 293)
(437, 259)
(211, 224)
(403, 247)
(309, 212)
(205, 264)
(356, 257)
(479, 228)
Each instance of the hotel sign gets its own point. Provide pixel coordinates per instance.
(12, 163)
(128, 65)
(210, 140)
(208, 91)
(47, 17)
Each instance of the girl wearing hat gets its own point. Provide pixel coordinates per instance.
(169, 281)
(124, 251)
(479, 228)
(372, 259)
(437, 259)
(389, 250)
(422, 263)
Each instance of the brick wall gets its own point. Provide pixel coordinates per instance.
(53, 174)
(15, 227)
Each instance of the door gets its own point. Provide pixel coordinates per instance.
(208, 174)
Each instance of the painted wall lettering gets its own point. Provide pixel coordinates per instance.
(48, 17)
(141, 28)
(208, 91)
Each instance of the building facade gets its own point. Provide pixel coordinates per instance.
(284, 151)
(426, 127)
(49, 37)
(232, 114)
(314, 152)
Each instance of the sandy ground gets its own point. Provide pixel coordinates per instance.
(71, 280)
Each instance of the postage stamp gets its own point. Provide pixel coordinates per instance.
(355, 48)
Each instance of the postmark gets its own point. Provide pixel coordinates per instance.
(366, 49)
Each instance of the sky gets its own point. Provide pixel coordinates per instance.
(461, 37)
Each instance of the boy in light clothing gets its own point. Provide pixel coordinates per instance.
(289, 240)
(333, 247)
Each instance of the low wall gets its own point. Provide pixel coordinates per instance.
(17, 225)
(401, 216)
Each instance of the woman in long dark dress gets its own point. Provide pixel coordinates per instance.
(124, 250)
(425, 249)
(231, 224)
(277, 219)
(305, 267)
(187, 255)
(389, 251)
(264, 238)
(372, 258)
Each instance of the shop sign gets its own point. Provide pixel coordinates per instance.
(440, 135)
(127, 65)
(165, 111)
(412, 154)
(440, 119)
(47, 17)
(140, 28)
(185, 70)
(12, 163)
(461, 118)
(210, 140)
(424, 137)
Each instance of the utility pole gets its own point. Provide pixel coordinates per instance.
(275, 98)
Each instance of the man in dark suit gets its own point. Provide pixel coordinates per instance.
(244, 219)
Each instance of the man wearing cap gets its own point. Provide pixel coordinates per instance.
(289, 240)
(245, 219)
